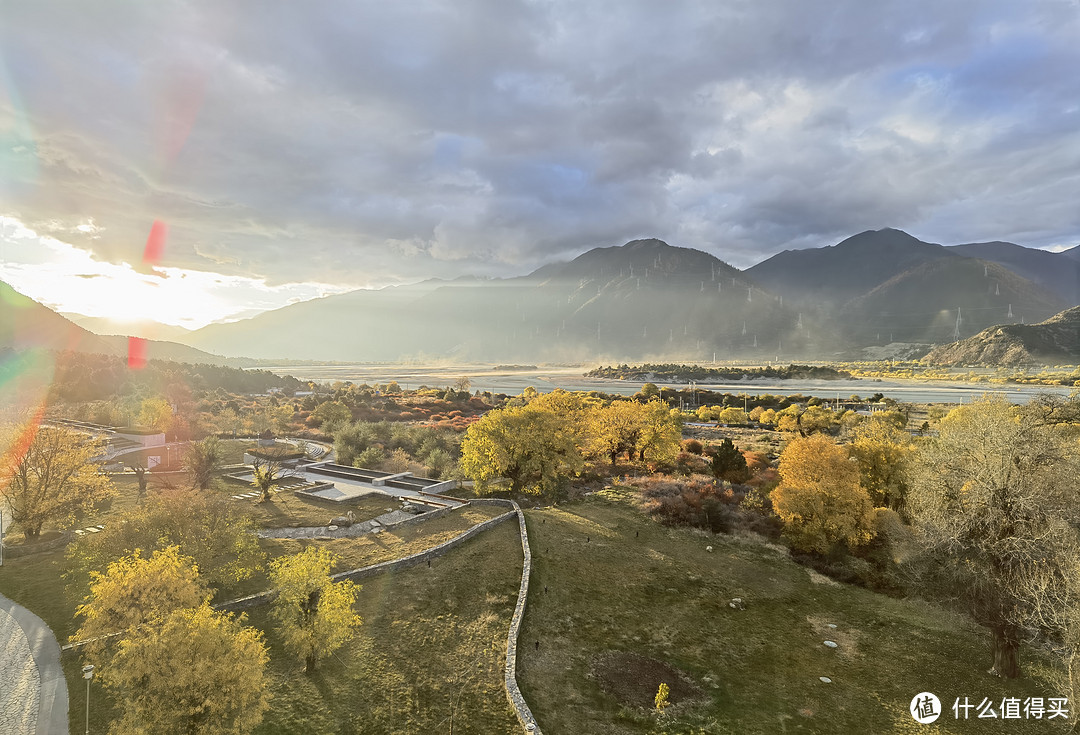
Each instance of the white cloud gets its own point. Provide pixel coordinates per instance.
(69, 279)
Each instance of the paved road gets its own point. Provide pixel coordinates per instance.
(33, 692)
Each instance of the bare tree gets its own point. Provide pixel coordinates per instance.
(994, 502)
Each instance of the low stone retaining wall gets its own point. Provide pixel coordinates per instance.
(263, 598)
(513, 693)
(21, 550)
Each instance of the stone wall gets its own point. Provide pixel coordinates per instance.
(513, 693)
(20, 550)
(263, 598)
(423, 556)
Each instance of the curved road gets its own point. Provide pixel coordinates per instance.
(33, 692)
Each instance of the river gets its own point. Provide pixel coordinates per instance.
(544, 379)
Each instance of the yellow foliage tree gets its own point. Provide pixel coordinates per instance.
(732, 415)
(314, 614)
(47, 476)
(156, 413)
(661, 699)
(533, 447)
(197, 671)
(882, 452)
(135, 591)
(615, 429)
(661, 433)
(819, 498)
(208, 528)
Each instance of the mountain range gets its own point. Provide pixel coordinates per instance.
(649, 300)
(26, 324)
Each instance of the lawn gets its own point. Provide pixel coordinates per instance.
(428, 634)
(619, 603)
(363, 551)
(432, 640)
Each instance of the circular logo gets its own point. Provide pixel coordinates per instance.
(925, 708)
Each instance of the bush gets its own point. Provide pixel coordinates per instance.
(370, 458)
(693, 446)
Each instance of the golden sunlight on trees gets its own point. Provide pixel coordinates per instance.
(176, 665)
(882, 452)
(532, 447)
(314, 614)
(538, 447)
(197, 672)
(52, 480)
(995, 505)
(156, 413)
(135, 591)
(819, 498)
(208, 528)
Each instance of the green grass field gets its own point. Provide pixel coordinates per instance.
(432, 640)
(608, 582)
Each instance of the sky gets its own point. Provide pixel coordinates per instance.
(287, 150)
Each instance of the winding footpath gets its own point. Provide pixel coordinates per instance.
(33, 692)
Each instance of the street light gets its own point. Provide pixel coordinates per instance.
(88, 674)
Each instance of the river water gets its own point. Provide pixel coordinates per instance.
(544, 379)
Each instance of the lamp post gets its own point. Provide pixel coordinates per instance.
(88, 674)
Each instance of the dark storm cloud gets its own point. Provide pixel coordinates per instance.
(364, 142)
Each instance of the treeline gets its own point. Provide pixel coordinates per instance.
(671, 372)
(80, 377)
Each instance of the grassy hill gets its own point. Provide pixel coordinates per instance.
(618, 600)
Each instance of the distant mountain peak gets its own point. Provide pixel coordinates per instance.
(650, 243)
(887, 237)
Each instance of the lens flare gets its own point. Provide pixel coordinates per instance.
(155, 243)
(25, 378)
(136, 353)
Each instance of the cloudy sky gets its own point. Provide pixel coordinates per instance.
(292, 149)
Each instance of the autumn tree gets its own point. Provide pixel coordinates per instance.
(135, 591)
(995, 505)
(616, 429)
(209, 529)
(48, 476)
(157, 414)
(531, 446)
(733, 416)
(661, 433)
(819, 498)
(202, 460)
(314, 614)
(332, 415)
(882, 452)
(196, 671)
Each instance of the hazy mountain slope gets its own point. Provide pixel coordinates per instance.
(1055, 271)
(25, 324)
(143, 328)
(677, 301)
(1056, 340)
(833, 275)
(647, 299)
(920, 304)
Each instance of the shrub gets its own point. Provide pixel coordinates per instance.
(693, 446)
